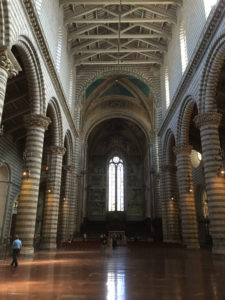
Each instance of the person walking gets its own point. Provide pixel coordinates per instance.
(17, 244)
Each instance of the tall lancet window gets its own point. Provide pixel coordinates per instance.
(116, 184)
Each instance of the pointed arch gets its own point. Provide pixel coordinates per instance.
(169, 139)
(184, 121)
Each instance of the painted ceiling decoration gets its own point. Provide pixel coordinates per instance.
(119, 32)
(117, 89)
(117, 86)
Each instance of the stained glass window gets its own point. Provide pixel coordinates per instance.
(116, 184)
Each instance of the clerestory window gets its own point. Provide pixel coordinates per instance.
(116, 184)
(38, 4)
(209, 4)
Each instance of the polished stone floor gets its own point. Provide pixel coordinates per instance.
(120, 274)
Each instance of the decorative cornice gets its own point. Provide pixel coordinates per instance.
(43, 45)
(56, 150)
(208, 119)
(37, 121)
(200, 49)
(182, 149)
(8, 62)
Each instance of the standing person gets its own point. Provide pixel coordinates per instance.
(17, 244)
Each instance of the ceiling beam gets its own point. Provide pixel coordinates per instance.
(116, 20)
(87, 11)
(74, 35)
(159, 30)
(118, 2)
(93, 26)
(156, 44)
(154, 10)
(83, 45)
(115, 50)
(123, 62)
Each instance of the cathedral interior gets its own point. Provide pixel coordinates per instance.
(121, 136)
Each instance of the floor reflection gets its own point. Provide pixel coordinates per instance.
(116, 286)
(123, 274)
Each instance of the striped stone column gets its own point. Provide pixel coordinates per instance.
(171, 204)
(73, 203)
(26, 217)
(164, 206)
(9, 67)
(186, 196)
(52, 196)
(215, 183)
(74, 225)
(64, 206)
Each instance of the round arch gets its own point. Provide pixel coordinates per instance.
(210, 76)
(120, 115)
(34, 74)
(167, 145)
(68, 143)
(55, 128)
(184, 121)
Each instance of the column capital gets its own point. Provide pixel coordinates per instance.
(168, 167)
(8, 62)
(153, 133)
(56, 150)
(209, 118)
(182, 149)
(36, 120)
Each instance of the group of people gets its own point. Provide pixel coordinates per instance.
(111, 240)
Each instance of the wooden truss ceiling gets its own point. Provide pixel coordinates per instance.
(125, 32)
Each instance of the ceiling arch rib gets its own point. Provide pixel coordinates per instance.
(119, 32)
